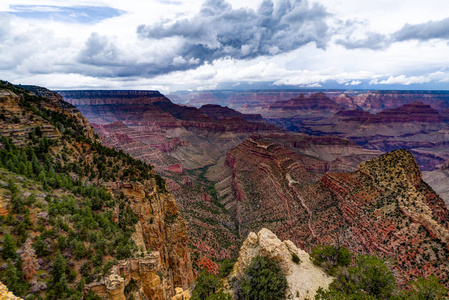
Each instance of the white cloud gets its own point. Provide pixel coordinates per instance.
(404, 80)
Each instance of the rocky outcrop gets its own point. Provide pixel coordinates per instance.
(304, 278)
(181, 294)
(164, 233)
(7, 295)
(111, 287)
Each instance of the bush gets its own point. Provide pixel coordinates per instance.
(263, 280)
(370, 278)
(429, 288)
(330, 257)
(205, 286)
(226, 267)
(295, 258)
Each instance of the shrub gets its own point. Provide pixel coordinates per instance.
(226, 267)
(429, 288)
(263, 280)
(330, 257)
(295, 258)
(205, 285)
(370, 278)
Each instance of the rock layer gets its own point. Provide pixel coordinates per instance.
(384, 207)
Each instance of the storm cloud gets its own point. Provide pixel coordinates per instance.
(219, 31)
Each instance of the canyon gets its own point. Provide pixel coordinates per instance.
(185, 144)
(232, 172)
(380, 120)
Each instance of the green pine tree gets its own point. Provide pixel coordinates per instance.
(9, 247)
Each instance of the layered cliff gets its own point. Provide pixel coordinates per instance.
(258, 180)
(415, 126)
(384, 207)
(315, 106)
(93, 210)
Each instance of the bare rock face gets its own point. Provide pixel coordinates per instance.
(112, 287)
(439, 181)
(7, 295)
(304, 279)
(163, 230)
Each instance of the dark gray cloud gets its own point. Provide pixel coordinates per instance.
(424, 31)
(101, 57)
(219, 31)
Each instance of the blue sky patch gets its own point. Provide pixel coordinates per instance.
(74, 14)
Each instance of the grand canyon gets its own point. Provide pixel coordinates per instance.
(224, 150)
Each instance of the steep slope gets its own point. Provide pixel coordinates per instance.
(384, 207)
(439, 181)
(93, 213)
(256, 180)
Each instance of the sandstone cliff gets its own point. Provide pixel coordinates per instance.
(304, 278)
(130, 199)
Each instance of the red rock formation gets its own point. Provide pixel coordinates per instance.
(382, 208)
(210, 266)
(218, 112)
(177, 168)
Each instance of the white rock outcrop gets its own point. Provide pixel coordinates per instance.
(304, 278)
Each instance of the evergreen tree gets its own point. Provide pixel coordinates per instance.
(429, 288)
(11, 277)
(40, 247)
(9, 247)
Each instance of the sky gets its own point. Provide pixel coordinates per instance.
(171, 45)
